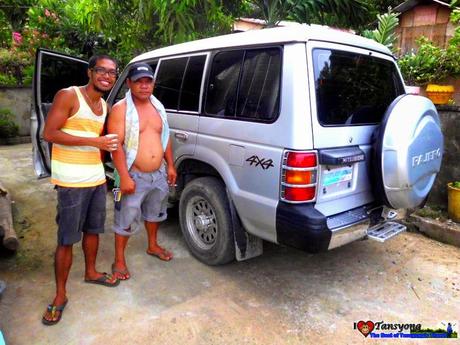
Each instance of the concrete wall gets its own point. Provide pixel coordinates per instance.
(19, 101)
(450, 168)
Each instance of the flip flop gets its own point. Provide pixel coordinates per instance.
(53, 309)
(163, 255)
(124, 273)
(103, 280)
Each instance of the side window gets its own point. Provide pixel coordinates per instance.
(258, 96)
(169, 80)
(190, 92)
(223, 81)
(245, 84)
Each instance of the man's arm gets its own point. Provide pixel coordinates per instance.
(172, 173)
(116, 125)
(58, 114)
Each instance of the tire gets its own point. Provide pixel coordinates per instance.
(206, 222)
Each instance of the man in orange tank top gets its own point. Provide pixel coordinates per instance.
(144, 183)
(74, 125)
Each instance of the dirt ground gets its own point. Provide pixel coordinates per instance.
(282, 297)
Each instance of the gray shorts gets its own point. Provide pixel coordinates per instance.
(149, 201)
(79, 210)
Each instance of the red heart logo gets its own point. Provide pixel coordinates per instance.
(365, 327)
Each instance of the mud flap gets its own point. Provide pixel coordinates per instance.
(247, 246)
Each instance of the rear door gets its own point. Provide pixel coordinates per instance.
(178, 85)
(350, 90)
(53, 71)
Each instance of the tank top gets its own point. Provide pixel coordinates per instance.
(79, 166)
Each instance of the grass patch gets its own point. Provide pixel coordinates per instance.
(433, 212)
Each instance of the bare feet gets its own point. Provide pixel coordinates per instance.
(160, 253)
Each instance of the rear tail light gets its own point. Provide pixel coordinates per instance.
(299, 176)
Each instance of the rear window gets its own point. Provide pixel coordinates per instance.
(245, 84)
(353, 89)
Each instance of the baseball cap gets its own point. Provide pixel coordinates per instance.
(140, 70)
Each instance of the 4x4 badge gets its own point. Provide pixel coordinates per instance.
(264, 163)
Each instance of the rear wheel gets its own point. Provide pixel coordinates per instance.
(205, 220)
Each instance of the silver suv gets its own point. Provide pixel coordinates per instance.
(299, 136)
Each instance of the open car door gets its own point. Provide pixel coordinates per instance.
(53, 71)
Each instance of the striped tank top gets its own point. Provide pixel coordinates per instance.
(79, 166)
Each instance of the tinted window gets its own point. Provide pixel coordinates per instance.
(190, 92)
(58, 73)
(353, 89)
(169, 81)
(221, 93)
(258, 95)
(245, 84)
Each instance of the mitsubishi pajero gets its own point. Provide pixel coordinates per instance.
(301, 136)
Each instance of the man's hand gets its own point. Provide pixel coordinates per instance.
(127, 185)
(108, 142)
(172, 175)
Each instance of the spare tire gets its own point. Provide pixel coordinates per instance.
(407, 152)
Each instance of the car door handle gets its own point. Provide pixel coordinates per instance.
(181, 136)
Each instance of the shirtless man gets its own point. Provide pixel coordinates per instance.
(140, 122)
(74, 125)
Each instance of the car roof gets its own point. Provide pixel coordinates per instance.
(279, 35)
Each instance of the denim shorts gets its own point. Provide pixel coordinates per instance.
(148, 202)
(80, 210)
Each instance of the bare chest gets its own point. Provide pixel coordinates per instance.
(149, 120)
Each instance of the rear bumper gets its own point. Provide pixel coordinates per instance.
(303, 227)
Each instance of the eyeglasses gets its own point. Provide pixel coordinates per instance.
(102, 71)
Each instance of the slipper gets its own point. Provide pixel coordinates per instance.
(53, 309)
(163, 255)
(125, 273)
(103, 280)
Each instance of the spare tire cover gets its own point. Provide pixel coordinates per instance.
(408, 152)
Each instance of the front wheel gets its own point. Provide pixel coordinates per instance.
(205, 220)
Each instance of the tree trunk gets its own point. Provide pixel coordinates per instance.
(10, 240)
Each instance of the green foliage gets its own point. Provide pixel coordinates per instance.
(385, 32)
(12, 63)
(15, 12)
(8, 128)
(7, 80)
(28, 75)
(340, 13)
(5, 31)
(431, 64)
(456, 184)
(336, 13)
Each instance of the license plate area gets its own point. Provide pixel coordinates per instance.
(336, 179)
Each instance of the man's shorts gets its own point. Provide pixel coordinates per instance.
(148, 202)
(80, 210)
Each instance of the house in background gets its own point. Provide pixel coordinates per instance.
(429, 18)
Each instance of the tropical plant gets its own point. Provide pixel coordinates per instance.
(8, 128)
(342, 13)
(15, 12)
(12, 63)
(385, 32)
